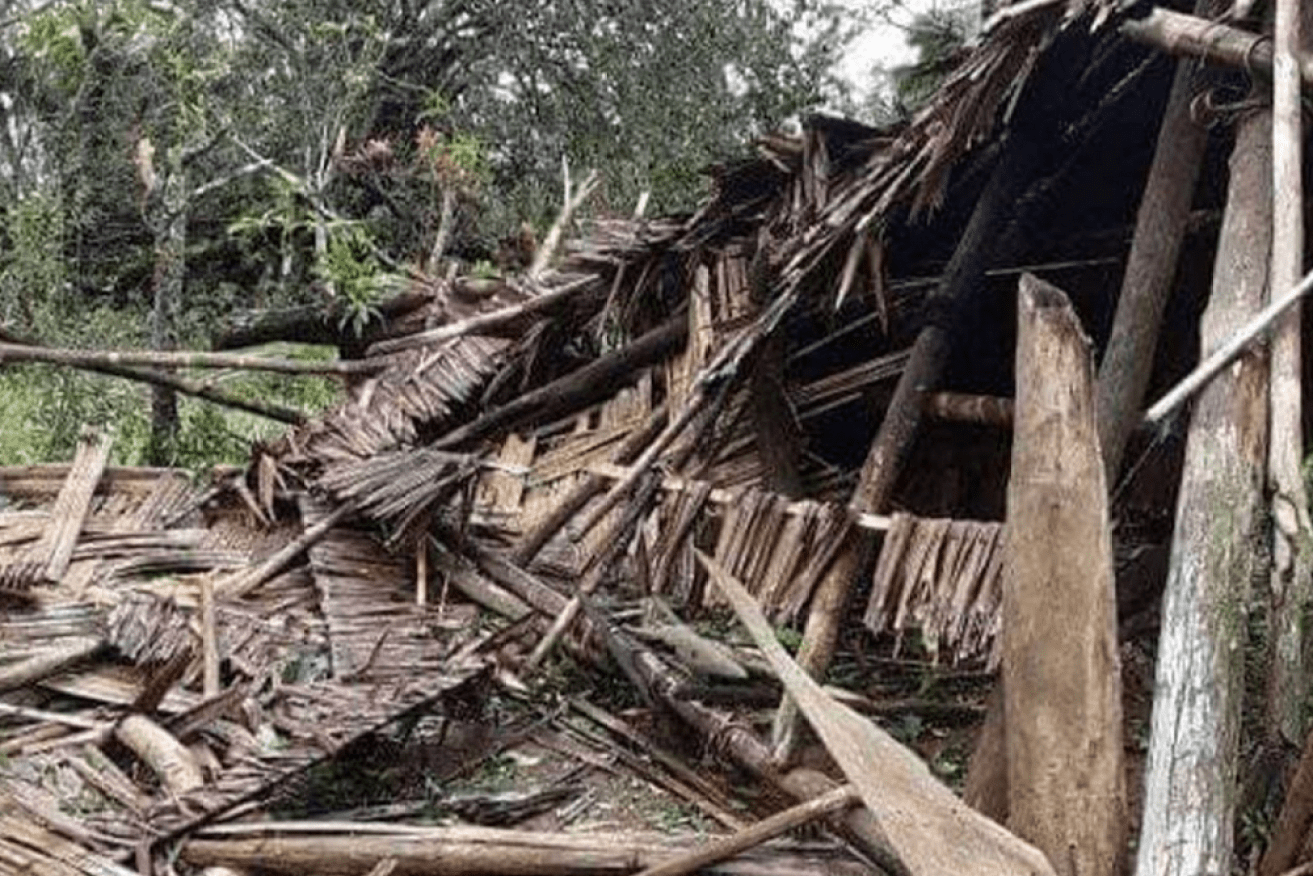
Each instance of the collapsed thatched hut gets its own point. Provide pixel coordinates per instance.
(808, 380)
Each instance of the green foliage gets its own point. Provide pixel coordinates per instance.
(32, 270)
(349, 267)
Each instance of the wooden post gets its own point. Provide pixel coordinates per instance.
(1159, 229)
(1189, 803)
(1292, 565)
(1061, 673)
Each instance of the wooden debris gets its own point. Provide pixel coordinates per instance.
(47, 662)
(166, 756)
(348, 847)
(929, 829)
(749, 837)
(974, 253)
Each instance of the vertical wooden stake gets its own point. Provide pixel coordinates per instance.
(1061, 672)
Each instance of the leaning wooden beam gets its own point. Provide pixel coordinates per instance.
(884, 462)
(352, 847)
(768, 828)
(1292, 564)
(1190, 794)
(243, 582)
(74, 502)
(580, 388)
(1060, 668)
(1160, 227)
(486, 323)
(187, 359)
(1181, 34)
(928, 827)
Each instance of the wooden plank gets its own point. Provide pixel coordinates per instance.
(928, 827)
(74, 502)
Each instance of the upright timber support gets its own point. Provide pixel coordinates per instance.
(1292, 565)
(1061, 673)
(1189, 803)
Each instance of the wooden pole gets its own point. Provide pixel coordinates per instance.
(1061, 672)
(1292, 827)
(1217, 43)
(351, 848)
(1292, 566)
(1189, 803)
(1160, 228)
(768, 828)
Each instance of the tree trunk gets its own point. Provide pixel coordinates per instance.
(1190, 781)
(170, 226)
(1061, 673)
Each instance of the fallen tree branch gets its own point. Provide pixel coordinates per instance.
(181, 359)
(485, 323)
(311, 324)
(193, 388)
(346, 847)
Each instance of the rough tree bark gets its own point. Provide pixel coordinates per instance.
(1061, 673)
(167, 218)
(1189, 803)
(1292, 565)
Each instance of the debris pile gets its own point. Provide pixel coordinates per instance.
(849, 401)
